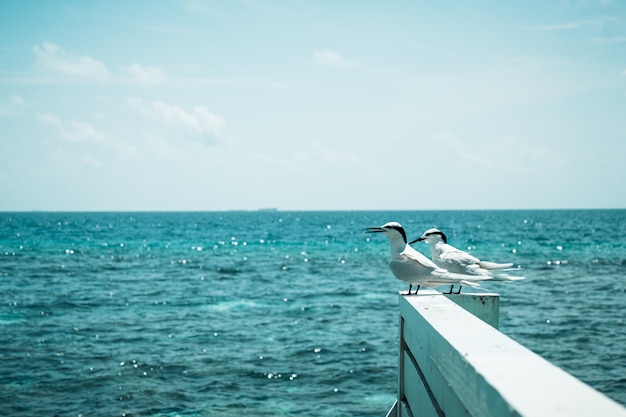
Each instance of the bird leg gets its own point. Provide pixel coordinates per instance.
(410, 287)
(418, 288)
(450, 292)
(459, 291)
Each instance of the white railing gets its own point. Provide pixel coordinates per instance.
(453, 364)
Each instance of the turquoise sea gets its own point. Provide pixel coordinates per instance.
(276, 313)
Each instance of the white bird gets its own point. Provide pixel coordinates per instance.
(411, 266)
(460, 262)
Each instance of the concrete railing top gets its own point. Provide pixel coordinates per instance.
(454, 364)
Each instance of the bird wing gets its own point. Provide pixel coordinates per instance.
(411, 266)
(447, 277)
(414, 263)
(456, 260)
(411, 255)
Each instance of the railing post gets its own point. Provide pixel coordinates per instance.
(485, 306)
(401, 365)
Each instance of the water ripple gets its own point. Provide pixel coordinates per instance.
(278, 313)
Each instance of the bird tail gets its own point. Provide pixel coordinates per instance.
(503, 275)
(455, 277)
(493, 265)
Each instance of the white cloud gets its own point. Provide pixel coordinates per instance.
(199, 120)
(505, 154)
(608, 24)
(137, 105)
(82, 132)
(455, 147)
(73, 131)
(13, 105)
(567, 26)
(176, 30)
(332, 59)
(203, 8)
(335, 156)
(610, 40)
(581, 4)
(49, 119)
(315, 159)
(53, 57)
(146, 74)
(90, 161)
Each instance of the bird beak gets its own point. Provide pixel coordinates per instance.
(419, 239)
(373, 230)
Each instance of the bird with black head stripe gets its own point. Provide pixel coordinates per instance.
(411, 266)
(455, 260)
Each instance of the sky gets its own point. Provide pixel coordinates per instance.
(312, 105)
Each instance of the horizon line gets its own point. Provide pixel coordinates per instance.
(276, 210)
